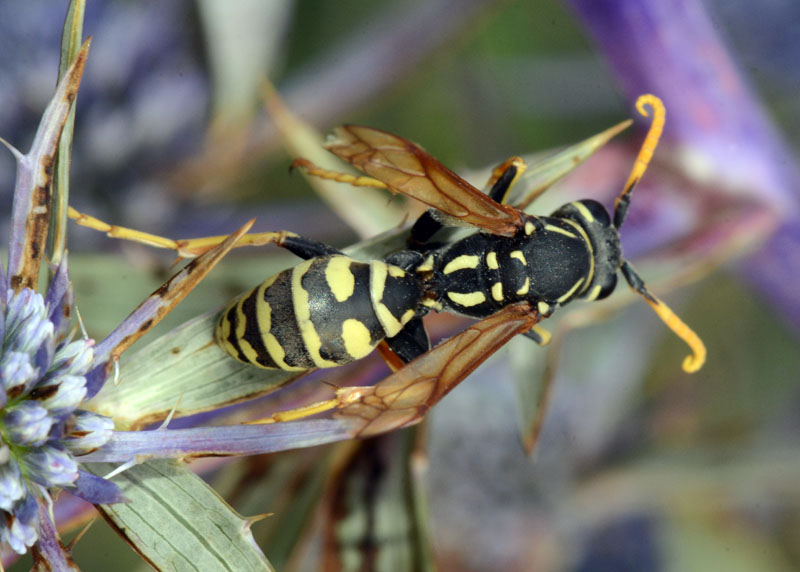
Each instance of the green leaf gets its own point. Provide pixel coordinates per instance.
(367, 211)
(242, 43)
(290, 485)
(377, 518)
(186, 370)
(177, 522)
(532, 380)
(70, 45)
(31, 205)
(544, 173)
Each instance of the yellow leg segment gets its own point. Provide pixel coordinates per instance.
(186, 248)
(356, 181)
(498, 171)
(299, 413)
(344, 396)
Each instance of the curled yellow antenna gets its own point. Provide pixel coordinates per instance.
(645, 153)
(691, 363)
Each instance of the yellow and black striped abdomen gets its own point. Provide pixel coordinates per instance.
(324, 312)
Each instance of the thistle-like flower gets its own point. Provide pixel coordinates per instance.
(44, 367)
(42, 383)
(47, 373)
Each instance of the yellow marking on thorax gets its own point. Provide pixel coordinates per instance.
(590, 248)
(585, 213)
(432, 304)
(571, 291)
(340, 278)
(491, 260)
(395, 271)
(427, 264)
(529, 228)
(544, 308)
(356, 337)
(519, 256)
(525, 287)
(467, 299)
(558, 229)
(302, 311)
(497, 291)
(465, 261)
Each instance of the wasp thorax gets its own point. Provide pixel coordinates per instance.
(603, 238)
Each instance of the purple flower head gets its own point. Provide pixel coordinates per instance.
(42, 370)
(42, 382)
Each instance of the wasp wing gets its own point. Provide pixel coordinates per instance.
(403, 398)
(406, 168)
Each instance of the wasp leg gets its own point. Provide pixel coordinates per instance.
(539, 335)
(303, 247)
(503, 177)
(410, 342)
(306, 248)
(423, 229)
(356, 181)
(186, 248)
(298, 413)
(408, 260)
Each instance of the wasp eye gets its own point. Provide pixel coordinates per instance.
(607, 287)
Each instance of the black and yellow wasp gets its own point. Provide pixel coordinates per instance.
(516, 269)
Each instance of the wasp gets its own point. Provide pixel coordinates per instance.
(513, 271)
(516, 269)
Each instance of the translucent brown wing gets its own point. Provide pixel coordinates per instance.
(408, 169)
(404, 397)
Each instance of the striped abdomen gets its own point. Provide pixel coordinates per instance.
(324, 312)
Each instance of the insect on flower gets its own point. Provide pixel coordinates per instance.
(514, 271)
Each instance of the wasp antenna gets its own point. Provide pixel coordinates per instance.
(645, 153)
(691, 363)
